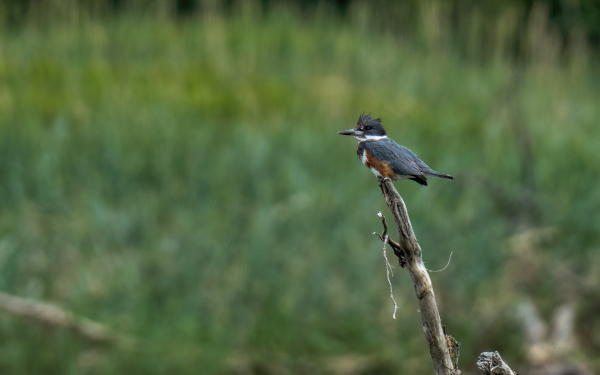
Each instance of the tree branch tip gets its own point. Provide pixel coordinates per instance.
(381, 238)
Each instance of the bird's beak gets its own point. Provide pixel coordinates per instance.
(350, 132)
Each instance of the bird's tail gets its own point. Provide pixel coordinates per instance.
(439, 174)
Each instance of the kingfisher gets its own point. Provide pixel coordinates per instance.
(386, 158)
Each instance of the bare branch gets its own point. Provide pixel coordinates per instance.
(443, 349)
(393, 244)
(54, 316)
(408, 251)
(490, 363)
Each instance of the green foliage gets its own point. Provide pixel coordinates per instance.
(183, 183)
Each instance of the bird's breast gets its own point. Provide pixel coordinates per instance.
(363, 157)
(380, 168)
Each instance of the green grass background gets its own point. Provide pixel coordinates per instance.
(183, 183)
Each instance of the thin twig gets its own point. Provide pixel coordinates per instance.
(389, 273)
(443, 268)
(393, 244)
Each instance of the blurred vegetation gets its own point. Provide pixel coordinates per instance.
(180, 180)
(567, 17)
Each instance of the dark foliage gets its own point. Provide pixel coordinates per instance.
(568, 17)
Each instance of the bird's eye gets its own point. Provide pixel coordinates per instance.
(368, 128)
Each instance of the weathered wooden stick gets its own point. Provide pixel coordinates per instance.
(54, 316)
(490, 363)
(408, 251)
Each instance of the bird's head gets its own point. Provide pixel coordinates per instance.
(367, 128)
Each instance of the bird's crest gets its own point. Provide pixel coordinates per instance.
(366, 119)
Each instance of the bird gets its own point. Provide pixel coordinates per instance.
(386, 158)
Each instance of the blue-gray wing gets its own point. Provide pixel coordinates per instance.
(403, 161)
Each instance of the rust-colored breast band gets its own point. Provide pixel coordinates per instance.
(383, 167)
